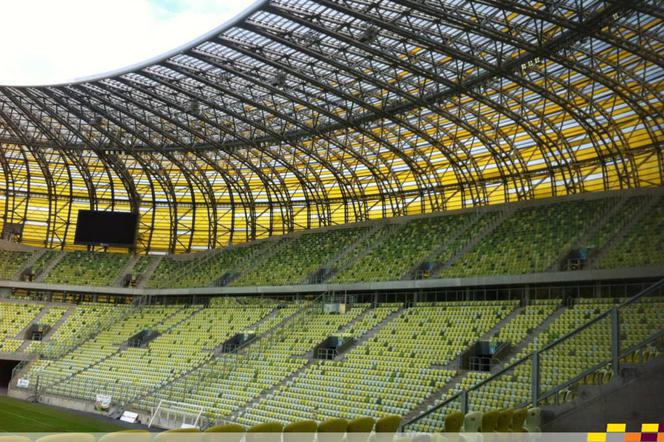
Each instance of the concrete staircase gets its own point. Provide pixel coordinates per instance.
(51, 331)
(125, 271)
(50, 266)
(434, 253)
(455, 363)
(133, 402)
(371, 332)
(34, 321)
(82, 370)
(149, 271)
(477, 237)
(356, 251)
(29, 263)
(532, 336)
(70, 311)
(269, 392)
(634, 219)
(259, 259)
(436, 396)
(595, 224)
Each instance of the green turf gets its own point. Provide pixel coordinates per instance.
(26, 417)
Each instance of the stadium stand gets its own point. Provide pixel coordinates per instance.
(430, 216)
(12, 262)
(403, 356)
(13, 319)
(643, 243)
(297, 259)
(206, 269)
(42, 262)
(414, 248)
(87, 268)
(530, 240)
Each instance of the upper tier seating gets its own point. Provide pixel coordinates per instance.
(408, 246)
(619, 231)
(11, 262)
(530, 240)
(87, 268)
(642, 245)
(297, 259)
(42, 262)
(204, 269)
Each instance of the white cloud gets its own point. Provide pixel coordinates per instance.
(47, 41)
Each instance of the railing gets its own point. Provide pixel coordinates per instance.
(601, 344)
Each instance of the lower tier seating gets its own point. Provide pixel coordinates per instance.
(402, 356)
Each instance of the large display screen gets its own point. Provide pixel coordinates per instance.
(95, 228)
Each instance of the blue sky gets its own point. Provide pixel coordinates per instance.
(49, 41)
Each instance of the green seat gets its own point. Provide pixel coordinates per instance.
(454, 422)
(490, 421)
(301, 427)
(505, 421)
(224, 433)
(361, 425)
(386, 427)
(518, 420)
(333, 426)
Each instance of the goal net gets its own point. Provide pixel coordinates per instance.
(172, 414)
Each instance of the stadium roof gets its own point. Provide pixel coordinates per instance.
(304, 113)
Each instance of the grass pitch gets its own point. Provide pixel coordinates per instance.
(25, 417)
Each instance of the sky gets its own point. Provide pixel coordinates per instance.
(55, 41)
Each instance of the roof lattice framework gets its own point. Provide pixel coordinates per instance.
(308, 113)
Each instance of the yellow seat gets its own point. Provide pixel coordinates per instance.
(518, 419)
(224, 433)
(179, 435)
(454, 422)
(301, 431)
(127, 436)
(67, 437)
(266, 432)
(490, 421)
(15, 439)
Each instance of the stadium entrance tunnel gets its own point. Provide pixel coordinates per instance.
(142, 338)
(484, 355)
(6, 368)
(333, 346)
(239, 340)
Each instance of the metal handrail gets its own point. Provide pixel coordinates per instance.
(552, 344)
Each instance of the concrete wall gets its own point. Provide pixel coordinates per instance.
(636, 398)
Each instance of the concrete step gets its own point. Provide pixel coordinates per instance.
(149, 271)
(50, 266)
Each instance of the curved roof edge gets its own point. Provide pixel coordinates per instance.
(255, 6)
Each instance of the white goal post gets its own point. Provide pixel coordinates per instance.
(172, 414)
